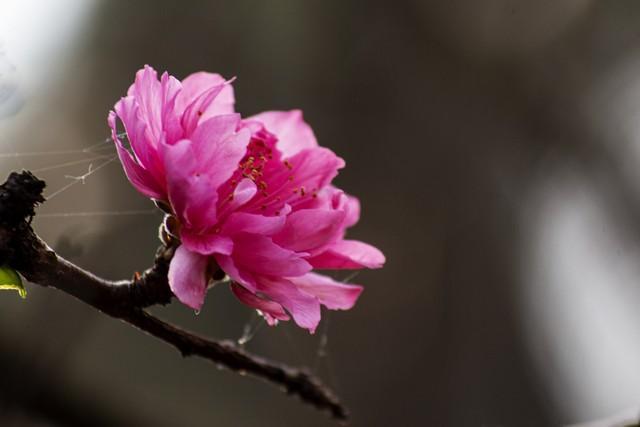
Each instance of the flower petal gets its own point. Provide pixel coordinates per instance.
(309, 230)
(207, 244)
(156, 100)
(233, 198)
(272, 311)
(304, 308)
(197, 83)
(315, 168)
(293, 133)
(197, 168)
(347, 254)
(244, 277)
(258, 254)
(352, 211)
(195, 111)
(216, 147)
(333, 295)
(143, 149)
(192, 193)
(187, 277)
(139, 177)
(239, 222)
(296, 180)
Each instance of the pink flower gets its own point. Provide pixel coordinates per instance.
(252, 198)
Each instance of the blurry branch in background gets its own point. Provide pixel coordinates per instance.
(21, 249)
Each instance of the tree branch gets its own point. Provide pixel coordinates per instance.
(23, 250)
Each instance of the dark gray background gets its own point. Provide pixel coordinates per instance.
(493, 145)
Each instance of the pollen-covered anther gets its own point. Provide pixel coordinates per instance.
(302, 191)
(288, 164)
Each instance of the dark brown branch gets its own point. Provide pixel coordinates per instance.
(24, 251)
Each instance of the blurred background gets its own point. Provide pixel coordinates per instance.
(495, 147)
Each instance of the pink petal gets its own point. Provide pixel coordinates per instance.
(333, 295)
(245, 190)
(314, 168)
(272, 311)
(192, 193)
(258, 254)
(207, 244)
(139, 177)
(253, 223)
(187, 277)
(197, 168)
(293, 133)
(295, 181)
(242, 194)
(143, 149)
(194, 112)
(350, 205)
(244, 277)
(348, 254)
(196, 84)
(304, 308)
(218, 147)
(155, 99)
(310, 229)
(352, 211)
(170, 88)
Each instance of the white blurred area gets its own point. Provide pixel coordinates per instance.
(36, 38)
(581, 269)
(581, 276)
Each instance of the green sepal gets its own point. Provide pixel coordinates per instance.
(10, 279)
